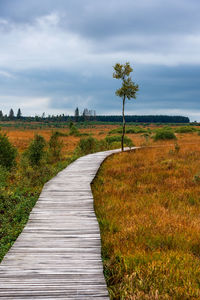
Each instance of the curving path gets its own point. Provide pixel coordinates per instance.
(58, 254)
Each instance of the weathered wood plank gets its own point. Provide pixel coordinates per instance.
(58, 254)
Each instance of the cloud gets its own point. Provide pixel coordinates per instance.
(6, 74)
(41, 45)
(29, 105)
(64, 51)
(50, 42)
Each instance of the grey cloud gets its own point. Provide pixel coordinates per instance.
(102, 18)
(148, 33)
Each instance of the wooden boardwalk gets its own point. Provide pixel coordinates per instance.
(58, 254)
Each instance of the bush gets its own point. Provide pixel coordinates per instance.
(185, 129)
(74, 131)
(3, 176)
(8, 152)
(129, 130)
(164, 134)
(55, 147)
(196, 178)
(117, 138)
(36, 150)
(59, 133)
(88, 145)
(91, 145)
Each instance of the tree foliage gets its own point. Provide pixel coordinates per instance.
(8, 152)
(11, 114)
(36, 150)
(128, 89)
(76, 115)
(55, 146)
(19, 114)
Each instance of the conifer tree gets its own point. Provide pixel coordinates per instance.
(76, 114)
(11, 114)
(19, 114)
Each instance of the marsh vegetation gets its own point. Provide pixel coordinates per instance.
(148, 207)
(147, 202)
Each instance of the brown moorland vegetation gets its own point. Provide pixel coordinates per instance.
(21, 138)
(21, 185)
(148, 207)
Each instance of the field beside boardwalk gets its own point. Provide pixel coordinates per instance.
(21, 185)
(147, 202)
(148, 207)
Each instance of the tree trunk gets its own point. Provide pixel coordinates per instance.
(124, 124)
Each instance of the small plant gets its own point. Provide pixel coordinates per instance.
(176, 147)
(36, 150)
(146, 136)
(55, 147)
(164, 134)
(129, 130)
(117, 138)
(185, 129)
(71, 124)
(3, 176)
(59, 133)
(87, 145)
(74, 131)
(196, 178)
(8, 152)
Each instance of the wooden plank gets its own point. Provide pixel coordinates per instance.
(58, 254)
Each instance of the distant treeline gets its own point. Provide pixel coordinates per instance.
(104, 119)
(90, 115)
(144, 119)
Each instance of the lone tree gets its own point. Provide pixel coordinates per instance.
(128, 89)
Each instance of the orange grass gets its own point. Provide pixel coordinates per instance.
(22, 137)
(148, 206)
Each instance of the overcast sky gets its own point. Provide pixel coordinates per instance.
(56, 55)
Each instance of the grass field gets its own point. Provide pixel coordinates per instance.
(148, 207)
(147, 203)
(20, 187)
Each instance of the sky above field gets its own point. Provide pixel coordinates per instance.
(57, 55)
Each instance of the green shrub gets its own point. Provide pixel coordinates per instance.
(74, 131)
(102, 145)
(146, 136)
(196, 178)
(117, 138)
(8, 152)
(87, 145)
(114, 145)
(135, 130)
(55, 147)
(164, 134)
(185, 129)
(129, 130)
(36, 150)
(3, 176)
(59, 133)
(91, 145)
